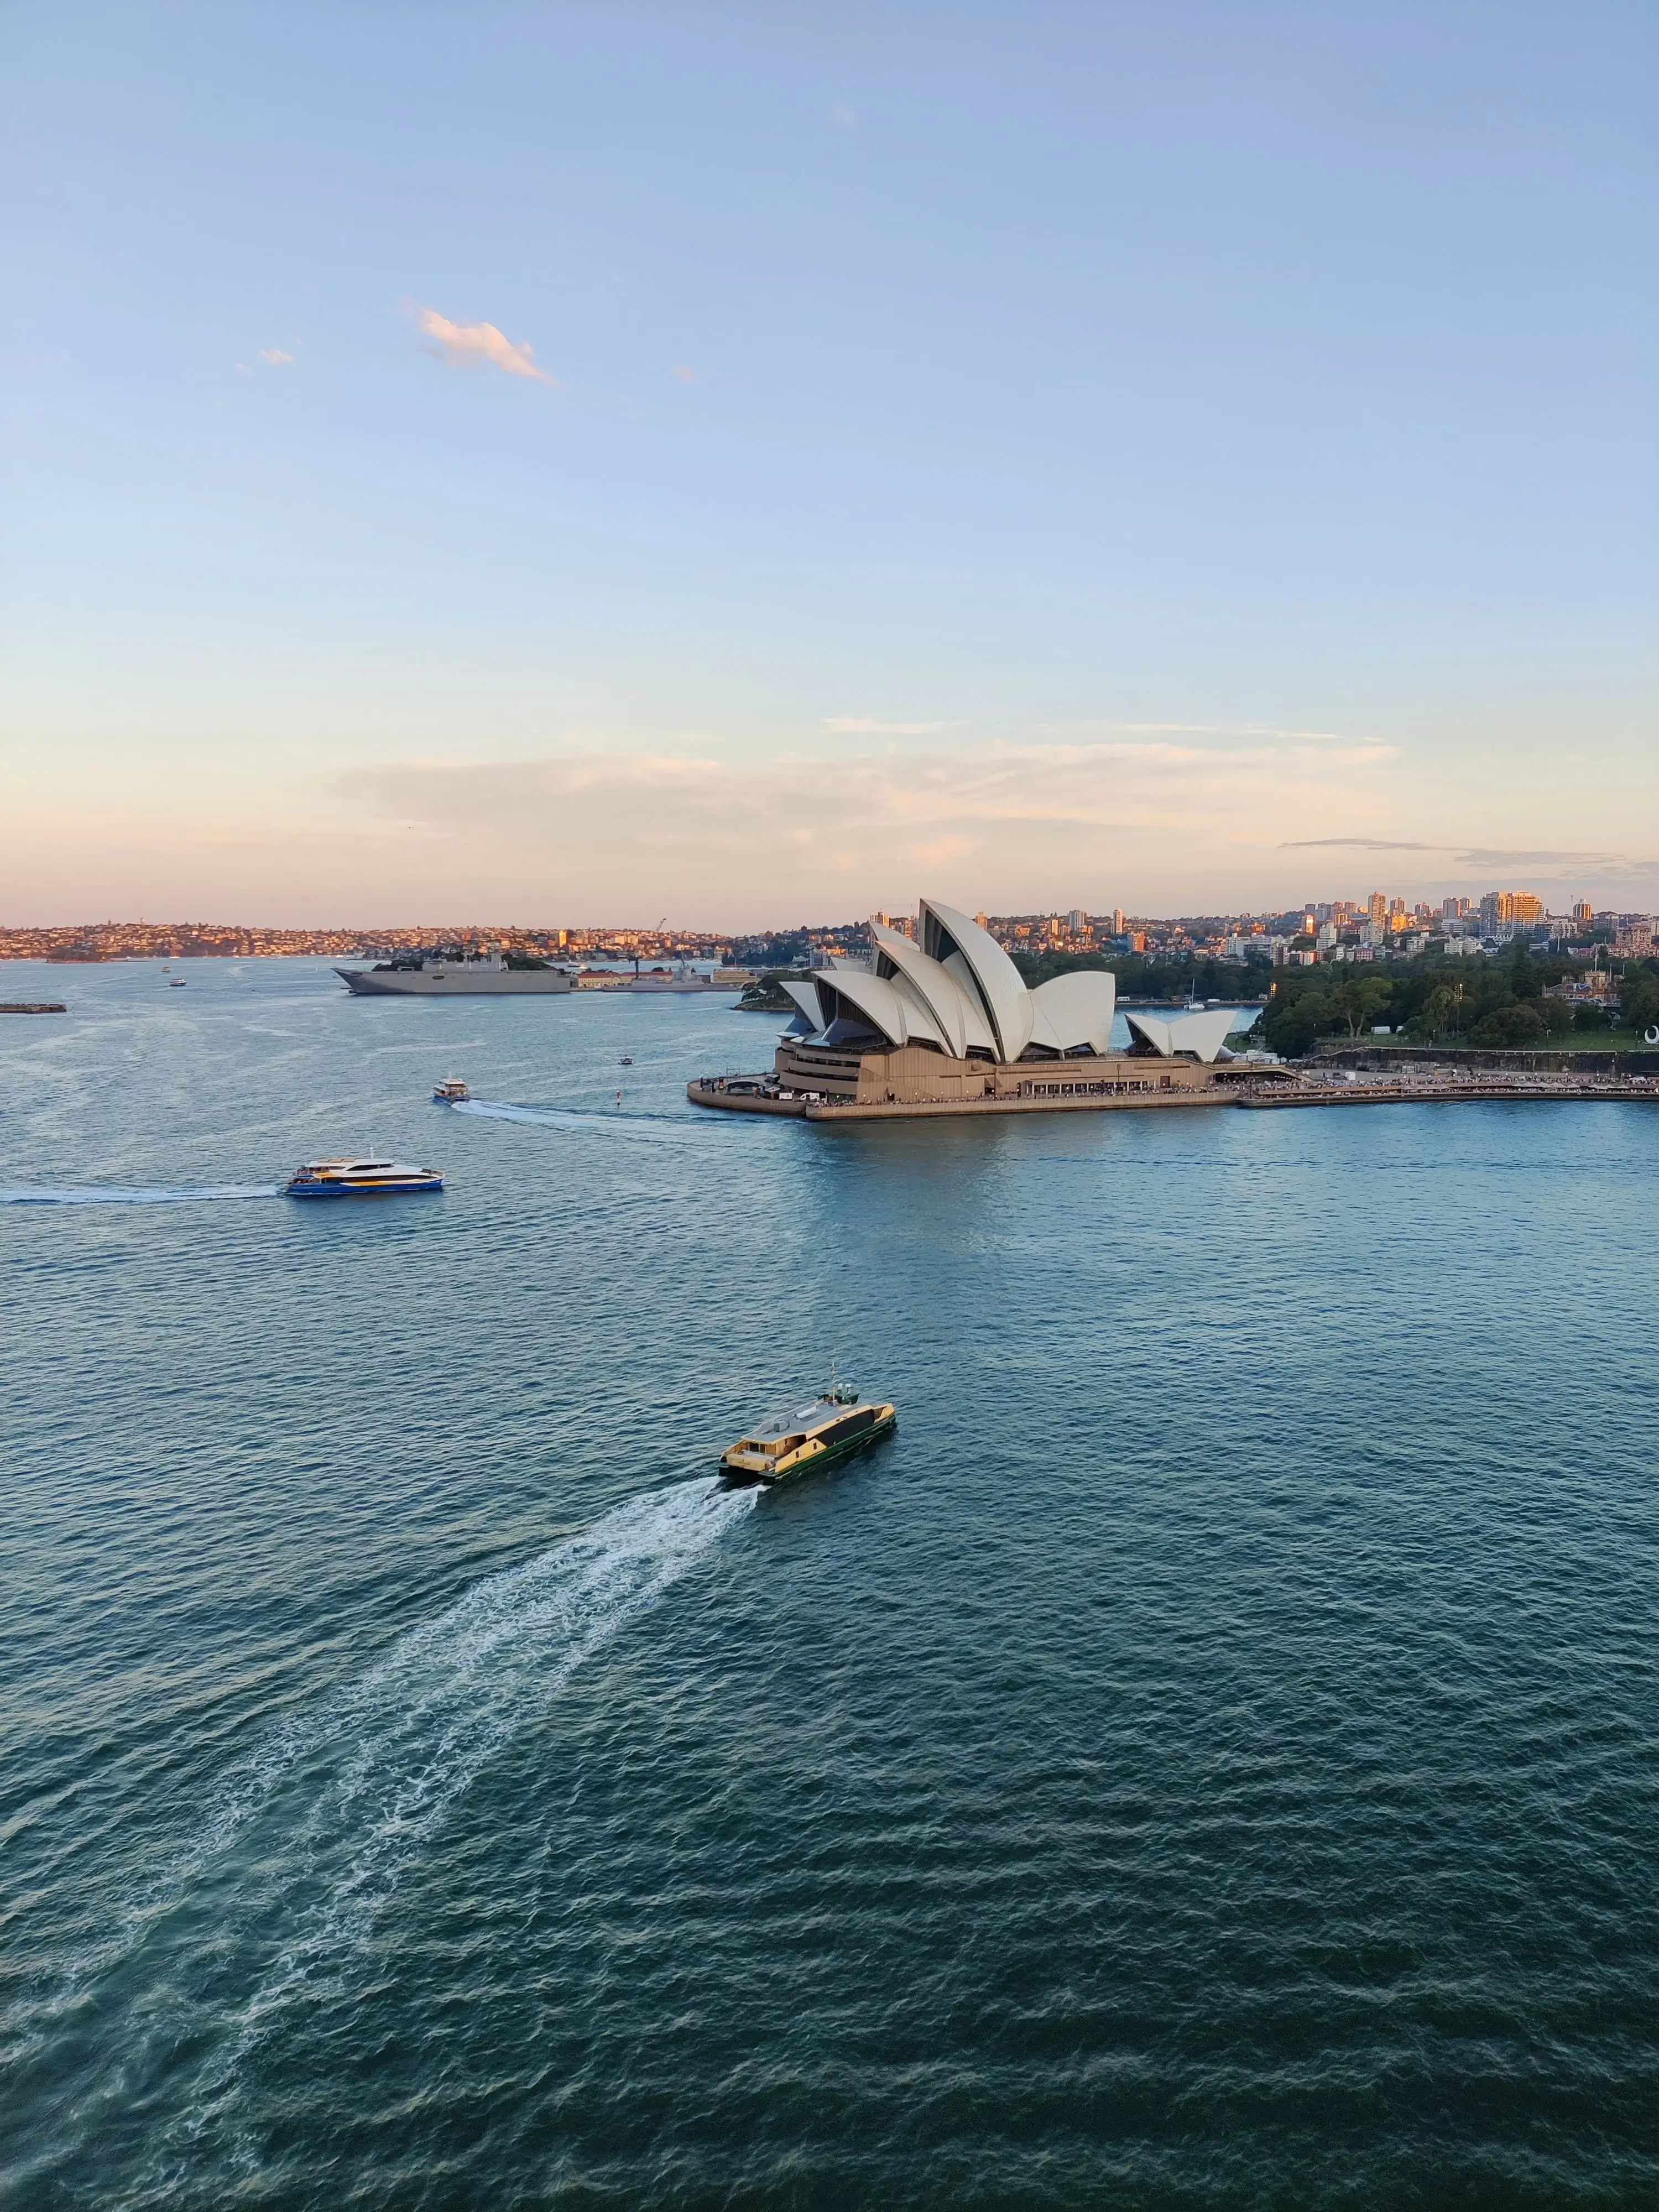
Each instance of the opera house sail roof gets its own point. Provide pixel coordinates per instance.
(951, 989)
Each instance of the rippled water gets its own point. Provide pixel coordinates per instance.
(1210, 1757)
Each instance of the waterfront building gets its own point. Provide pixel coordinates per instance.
(945, 1018)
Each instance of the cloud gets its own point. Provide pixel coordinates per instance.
(862, 726)
(1360, 845)
(685, 375)
(841, 113)
(1234, 731)
(1188, 822)
(1013, 824)
(276, 357)
(1484, 856)
(471, 343)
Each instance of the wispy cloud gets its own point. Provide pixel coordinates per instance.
(1359, 845)
(1163, 824)
(276, 357)
(474, 342)
(1602, 863)
(685, 375)
(1230, 732)
(865, 725)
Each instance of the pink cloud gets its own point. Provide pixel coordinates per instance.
(685, 375)
(481, 342)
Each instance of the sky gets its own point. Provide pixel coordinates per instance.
(757, 464)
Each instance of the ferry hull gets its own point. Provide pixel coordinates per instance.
(411, 983)
(425, 1186)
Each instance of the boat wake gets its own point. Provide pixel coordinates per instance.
(102, 1194)
(572, 1117)
(274, 1901)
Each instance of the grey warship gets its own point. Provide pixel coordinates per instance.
(491, 974)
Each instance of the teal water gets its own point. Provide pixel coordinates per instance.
(1209, 1758)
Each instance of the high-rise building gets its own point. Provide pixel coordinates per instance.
(1117, 922)
(1377, 907)
(1078, 921)
(1510, 910)
(1583, 911)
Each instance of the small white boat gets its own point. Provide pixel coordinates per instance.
(360, 1179)
(176, 983)
(452, 1092)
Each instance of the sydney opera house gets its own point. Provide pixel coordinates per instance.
(946, 1018)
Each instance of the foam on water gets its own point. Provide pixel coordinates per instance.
(564, 1117)
(110, 1194)
(308, 1837)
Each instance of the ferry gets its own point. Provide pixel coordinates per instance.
(833, 1427)
(360, 1179)
(453, 1092)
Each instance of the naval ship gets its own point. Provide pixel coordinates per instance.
(490, 974)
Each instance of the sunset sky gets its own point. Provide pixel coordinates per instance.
(754, 463)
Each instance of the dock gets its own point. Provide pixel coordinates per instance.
(763, 1094)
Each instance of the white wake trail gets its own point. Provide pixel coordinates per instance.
(110, 1194)
(310, 1834)
(611, 1119)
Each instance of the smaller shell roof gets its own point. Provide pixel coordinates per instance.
(1201, 1034)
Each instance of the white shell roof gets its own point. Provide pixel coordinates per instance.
(1201, 1035)
(1007, 1002)
(972, 999)
(1075, 1009)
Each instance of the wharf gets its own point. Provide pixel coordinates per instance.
(33, 1007)
(1449, 1088)
(757, 1093)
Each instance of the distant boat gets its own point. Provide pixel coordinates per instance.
(627, 1060)
(360, 1179)
(452, 1092)
(175, 982)
(493, 976)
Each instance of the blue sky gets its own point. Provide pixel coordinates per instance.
(1035, 455)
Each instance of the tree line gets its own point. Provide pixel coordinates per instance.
(1484, 1002)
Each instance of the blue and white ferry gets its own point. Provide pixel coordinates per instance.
(360, 1179)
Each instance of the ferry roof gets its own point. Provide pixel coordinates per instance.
(816, 1414)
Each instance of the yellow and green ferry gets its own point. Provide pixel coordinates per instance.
(833, 1427)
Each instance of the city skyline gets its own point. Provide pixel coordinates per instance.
(594, 461)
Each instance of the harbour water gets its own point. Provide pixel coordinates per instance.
(1210, 1757)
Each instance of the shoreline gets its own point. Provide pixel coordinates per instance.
(758, 1094)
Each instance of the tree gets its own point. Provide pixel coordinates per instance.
(1293, 1025)
(1524, 979)
(1360, 1003)
(1438, 1018)
(1510, 1026)
(1638, 1002)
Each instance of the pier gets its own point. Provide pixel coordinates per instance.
(1285, 1087)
